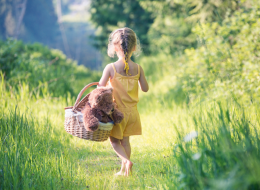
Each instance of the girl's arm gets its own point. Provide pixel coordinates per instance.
(105, 76)
(142, 81)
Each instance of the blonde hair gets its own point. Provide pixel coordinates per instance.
(126, 39)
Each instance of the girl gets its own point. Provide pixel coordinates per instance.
(124, 76)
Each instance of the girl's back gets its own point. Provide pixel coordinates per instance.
(120, 68)
(125, 88)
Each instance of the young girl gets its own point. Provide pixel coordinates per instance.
(124, 76)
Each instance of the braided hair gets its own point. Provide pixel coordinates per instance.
(127, 40)
(124, 45)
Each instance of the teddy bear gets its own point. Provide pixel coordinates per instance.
(100, 108)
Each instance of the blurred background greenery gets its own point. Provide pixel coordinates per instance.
(207, 46)
(201, 59)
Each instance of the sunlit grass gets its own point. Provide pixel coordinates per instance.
(37, 153)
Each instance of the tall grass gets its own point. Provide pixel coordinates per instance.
(37, 153)
(223, 153)
(30, 159)
(33, 150)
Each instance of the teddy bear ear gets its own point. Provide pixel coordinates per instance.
(98, 99)
(95, 102)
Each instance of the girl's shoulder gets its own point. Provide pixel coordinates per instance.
(108, 70)
(109, 67)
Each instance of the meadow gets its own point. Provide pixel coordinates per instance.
(211, 145)
(200, 117)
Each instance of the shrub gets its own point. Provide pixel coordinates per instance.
(40, 67)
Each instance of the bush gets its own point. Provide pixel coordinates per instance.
(227, 61)
(40, 67)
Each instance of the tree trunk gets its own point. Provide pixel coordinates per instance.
(20, 11)
(63, 34)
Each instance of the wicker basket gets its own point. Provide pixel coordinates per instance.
(74, 121)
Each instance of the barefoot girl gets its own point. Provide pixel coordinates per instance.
(124, 76)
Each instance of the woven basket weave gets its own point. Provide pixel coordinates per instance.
(74, 120)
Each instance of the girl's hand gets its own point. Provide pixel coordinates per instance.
(142, 81)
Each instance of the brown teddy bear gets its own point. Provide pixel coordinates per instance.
(100, 107)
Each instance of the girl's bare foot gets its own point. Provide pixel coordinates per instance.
(119, 173)
(128, 168)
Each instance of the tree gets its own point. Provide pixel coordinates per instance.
(170, 32)
(110, 15)
(174, 20)
(28, 20)
(210, 10)
(40, 21)
(20, 11)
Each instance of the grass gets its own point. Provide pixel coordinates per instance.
(225, 155)
(37, 153)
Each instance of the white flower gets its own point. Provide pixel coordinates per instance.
(196, 156)
(190, 136)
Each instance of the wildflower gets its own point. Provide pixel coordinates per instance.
(190, 136)
(196, 156)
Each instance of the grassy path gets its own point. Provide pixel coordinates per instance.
(37, 153)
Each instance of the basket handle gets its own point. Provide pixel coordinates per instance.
(82, 91)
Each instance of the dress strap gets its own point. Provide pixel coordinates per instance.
(138, 70)
(113, 67)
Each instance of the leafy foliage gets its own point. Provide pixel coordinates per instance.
(224, 64)
(110, 15)
(211, 11)
(42, 67)
(171, 31)
(227, 59)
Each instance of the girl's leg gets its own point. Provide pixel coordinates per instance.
(119, 149)
(126, 144)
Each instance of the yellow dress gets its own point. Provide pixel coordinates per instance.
(125, 92)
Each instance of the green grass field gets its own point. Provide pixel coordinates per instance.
(37, 153)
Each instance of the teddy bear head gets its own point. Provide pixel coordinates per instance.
(102, 98)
